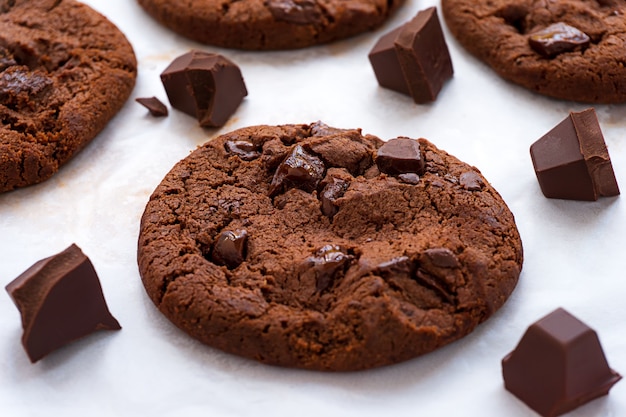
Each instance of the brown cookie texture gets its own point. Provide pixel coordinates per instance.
(566, 49)
(65, 71)
(288, 245)
(269, 24)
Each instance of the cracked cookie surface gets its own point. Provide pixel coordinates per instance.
(286, 244)
(499, 33)
(269, 24)
(65, 70)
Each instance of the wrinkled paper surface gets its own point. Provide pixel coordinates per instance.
(574, 251)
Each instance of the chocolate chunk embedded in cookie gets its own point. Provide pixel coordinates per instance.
(270, 24)
(567, 49)
(65, 70)
(296, 250)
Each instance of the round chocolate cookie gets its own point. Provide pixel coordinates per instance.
(314, 247)
(65, 70)
(567, 49)
(269, 24)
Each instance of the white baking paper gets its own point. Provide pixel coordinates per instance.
(575, 252)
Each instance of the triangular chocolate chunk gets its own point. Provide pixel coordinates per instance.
(60, 300)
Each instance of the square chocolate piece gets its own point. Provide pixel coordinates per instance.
(558, 365)
(60, 300)
(572, 162)
(413, 59)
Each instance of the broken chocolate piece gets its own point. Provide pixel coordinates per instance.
(330, 193)
(154, 106)
(409, 178)
(413, 59)
(302, 12)
(558, 365)
(471, 181)
(206, 86)
(557, 39)
(400, 156)
(572, 162)
(60, 300)
(230, 248)
(243, 149)
(442, 257)
(326, 263)
(300, 170)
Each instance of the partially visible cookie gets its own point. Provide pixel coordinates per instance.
(322, 248)
(65, 70)
(567, 49)
(269, 24)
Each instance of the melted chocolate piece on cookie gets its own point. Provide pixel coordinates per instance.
(206, 86)
(414, 59)
(400, 156)
(60, 300)
(558, 365)
(557, 39)
(303, 12)
(299, 169)
(243, 149)
(333, 190)
(327, 263)
(471, 181)
(230, 248)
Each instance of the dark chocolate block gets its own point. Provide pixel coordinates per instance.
(206, 86)
(572, 162)
(400, 156)
(558, 365)
(413, 59)
(60, 300)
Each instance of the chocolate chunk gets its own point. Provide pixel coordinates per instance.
(298, 170)
(206, 86)
(327, 263)
(243, 149)
(557, 39)
(300, 12)
(442, 257)
(60, 300)
(400, 156)
(409, 178)
(154, 106)
(558, 365)
(401, 265)
(19, 86)
(230, 248)
(572, 162)
(413, 59)
(471, 181)
(333, 190)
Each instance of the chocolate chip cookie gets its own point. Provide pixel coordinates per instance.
(322, 248)
(567, 49)
(65, 70)
(269, 24)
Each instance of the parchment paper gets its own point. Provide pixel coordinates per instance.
(574, 251)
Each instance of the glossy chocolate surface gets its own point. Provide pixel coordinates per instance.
(60, 300)
(558, 365)
(204, 85)
(572, 161)
(413, 59)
